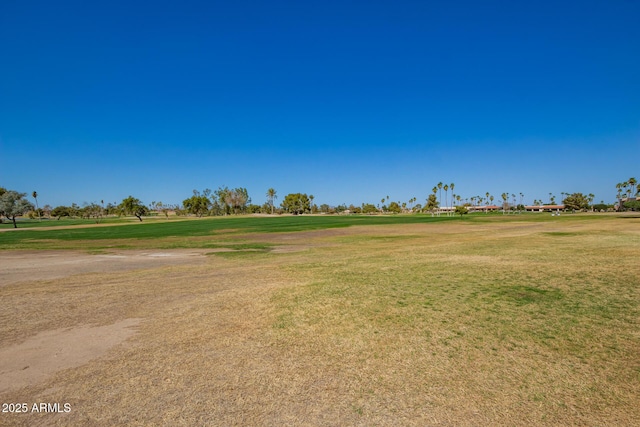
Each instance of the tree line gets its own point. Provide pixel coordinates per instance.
(236, 201)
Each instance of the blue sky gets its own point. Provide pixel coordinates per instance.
(350, 101)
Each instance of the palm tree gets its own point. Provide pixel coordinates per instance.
(619, 194)
(311, 197)
(504, 201)
(446, 196)
(440, 198)
(434, 190)
(452, 186)
(633, 183)
(35, 196)
(271, 195)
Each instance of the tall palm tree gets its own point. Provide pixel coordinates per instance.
(633, 183)
(619, 195)
(504, 201)
(271, 195)
(434, 190)
(446, 196)
(311, 197)
(452, 186)
(440, 198)
(35, 196)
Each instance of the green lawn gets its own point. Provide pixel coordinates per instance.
(116, 232)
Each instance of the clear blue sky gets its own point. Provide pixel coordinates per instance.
(348, 100)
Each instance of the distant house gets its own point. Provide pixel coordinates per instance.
(477, 208)
(544, 208)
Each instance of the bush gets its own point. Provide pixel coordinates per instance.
(632, 205)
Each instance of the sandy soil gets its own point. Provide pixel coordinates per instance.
(25, 266)
(37, 358)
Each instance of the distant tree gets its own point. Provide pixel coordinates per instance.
(576, 202)
(325, 208)
(296, 203)
(452, 186)
(35, 196)
(223, 197)
(394, 207)
(461, 210)
(271, 196)
(2, 191)
(198, 204)
(368, 208)
(505, 205)
(133, 206)
(161, 208)
(240, 198)
(94, 211)
(432, 203)
(60, 211)
(233, 200)
(13, 204)
(633, 183)
(311, 197)
(633, 205)
(446, 198)
(254, 209)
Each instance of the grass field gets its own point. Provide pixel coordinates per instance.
(406, 320)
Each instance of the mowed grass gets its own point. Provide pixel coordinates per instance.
(180, 233)
(157, 232)
(485, 321)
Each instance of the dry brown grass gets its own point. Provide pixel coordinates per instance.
(437, 324)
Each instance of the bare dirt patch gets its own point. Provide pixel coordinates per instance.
(24, 266)
(40, 356)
